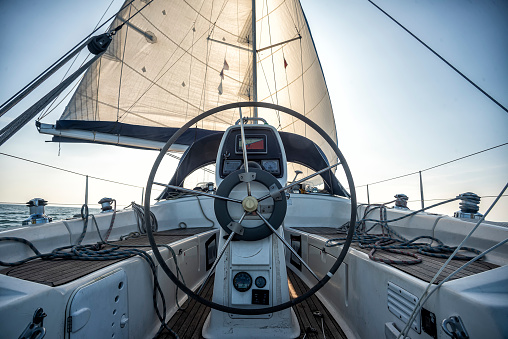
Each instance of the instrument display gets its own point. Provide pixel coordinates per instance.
(262, 145)
(242, 281)
(231, 165)
(253, 144)
(271, 166)
(260, 281)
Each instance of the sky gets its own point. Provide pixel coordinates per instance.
(398, 108)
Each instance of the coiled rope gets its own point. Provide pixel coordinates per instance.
(391, 241)
(140, 218)
(98, 252)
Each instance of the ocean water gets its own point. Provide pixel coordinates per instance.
(12, 215)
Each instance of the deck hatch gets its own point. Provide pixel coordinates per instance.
(99, 306)
(402, 303)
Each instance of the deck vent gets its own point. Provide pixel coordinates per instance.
(37, 216)
(402, 303)
(468, 206)
(401, 202)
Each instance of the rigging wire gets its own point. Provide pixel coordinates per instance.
(46, 113)
(440, 57)
(432, 167)
(291, 16)
(154, 82)
(303, 86)
(12, 101)
(69, 171)
(85, 175)
(121, 71)
(13, 127)
(273, 64)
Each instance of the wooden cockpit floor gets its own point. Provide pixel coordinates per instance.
(424, 270)
(58, 272)
(189, 322)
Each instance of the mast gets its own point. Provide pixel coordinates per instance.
(254, 60)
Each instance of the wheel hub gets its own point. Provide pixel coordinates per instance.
(250, 204)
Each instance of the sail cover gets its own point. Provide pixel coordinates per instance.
(177, 59)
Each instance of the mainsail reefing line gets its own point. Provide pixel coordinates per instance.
(177, 59)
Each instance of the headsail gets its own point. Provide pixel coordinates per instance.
(177, 59)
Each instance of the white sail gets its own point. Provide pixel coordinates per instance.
(175, 60)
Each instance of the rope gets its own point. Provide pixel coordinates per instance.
(202, 211)
(426, 293)
(97, 252)
(140, 218)
(111, 223)
(391, 241)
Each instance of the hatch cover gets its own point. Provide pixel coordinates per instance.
(99, 308)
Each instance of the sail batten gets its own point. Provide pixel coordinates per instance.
(177, 59)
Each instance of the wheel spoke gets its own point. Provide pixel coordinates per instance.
(287, 245)
(178, 188)
(223, 249)
(244, 151)
(298, 182)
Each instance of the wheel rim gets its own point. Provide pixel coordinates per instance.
(284, 305)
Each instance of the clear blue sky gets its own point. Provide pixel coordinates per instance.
(398, 108)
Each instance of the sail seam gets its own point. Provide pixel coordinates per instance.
(157, 77)
(310, 111)
(273, 68)
(187, 51)
(210, 21)
(159, 86)
(312, 64)
(291, 16)
(268, 13)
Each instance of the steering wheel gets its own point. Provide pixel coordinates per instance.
(250, 204)
(259, 231)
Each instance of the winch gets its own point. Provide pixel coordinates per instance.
(106, 204)
(469, 206)
(37, 215)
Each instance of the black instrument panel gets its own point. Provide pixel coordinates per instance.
(262, 148)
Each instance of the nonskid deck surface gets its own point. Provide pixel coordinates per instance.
(58, 272)
(189, 322)
(424, 270)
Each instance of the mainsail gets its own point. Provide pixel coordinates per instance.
(177, 59)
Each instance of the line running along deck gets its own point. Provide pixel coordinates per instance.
(424, 270)
(58, 272)
(188, 323)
